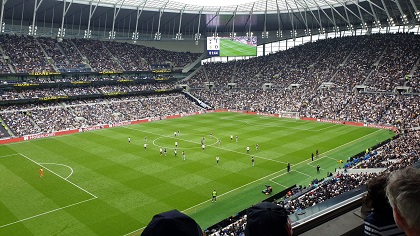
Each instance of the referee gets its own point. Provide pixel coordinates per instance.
(213, 196)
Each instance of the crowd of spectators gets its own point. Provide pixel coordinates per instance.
(395, 63)
(76, 90)
(396, 154)
(328, 188)
(318, 80)
(130, 58)
(20, 123)
(25, 54)
(99, 57)
(50, 47)
(4, 67)
(41, 55)
(27, 119)
(359, 63)
(298, 80)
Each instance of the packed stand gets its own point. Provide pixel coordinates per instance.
(128, 55)
(99, 57)
(327, 104)
(50, 47)
(30, 119)
(76, 90)
(25, 54)
(4, 67)
(366, 108)
(399, 153)
(355, 70)
(395, 63)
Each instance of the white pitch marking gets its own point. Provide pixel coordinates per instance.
(10, 155)
(60, 165)
(210, 144)
(278, 183)
(59, 176)
(77, 203)
(233, 190)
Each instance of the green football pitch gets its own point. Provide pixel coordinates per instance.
(233, 48)
(97, 183)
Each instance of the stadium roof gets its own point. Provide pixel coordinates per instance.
(293, 18)
(223, 7)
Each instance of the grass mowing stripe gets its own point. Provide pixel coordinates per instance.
(133, 184)
(324, 156)
(48, 212)
(213, 145)
(65, 179)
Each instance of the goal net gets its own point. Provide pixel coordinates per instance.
(289, 114)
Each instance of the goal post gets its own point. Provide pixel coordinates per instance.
(289, 114)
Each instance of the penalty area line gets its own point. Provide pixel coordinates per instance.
(16, 154)
(28, 218)
(65, 179)
(71, 169)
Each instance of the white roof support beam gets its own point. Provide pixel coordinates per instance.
(416, 11)
(321, 28)
(217, 23)
(91, 12)
(139, 12)
(161, 11)
(250, 20)
(36, 7)
(360, 7)
(316, 19)
(65, 10)
(350, 25)
(403, 15)
(2, 14)
(361, 17)
(180, 22)
(336, 29)
(233, 23)
(279, 33)
(332, 21)
(374, 4)
(116, 12)
(386, 10)
(292, 32)
(265, 19)
(347, 9)
(346, 19)
(305, 20)
(320, 8)
(414, 6)
(198, 35)
(373, 12)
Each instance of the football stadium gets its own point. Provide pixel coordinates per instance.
(174, 117)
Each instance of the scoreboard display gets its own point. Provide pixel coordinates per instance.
(213, 46)
(235, 46)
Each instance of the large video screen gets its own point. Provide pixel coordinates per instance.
(229, 47)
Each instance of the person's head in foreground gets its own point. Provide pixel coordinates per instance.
(403, 192)
(172, 223)
(267, 219)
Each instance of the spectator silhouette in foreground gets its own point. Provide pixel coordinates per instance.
(267, 219)
(403, 192)
(172, 223)
(381, 220)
